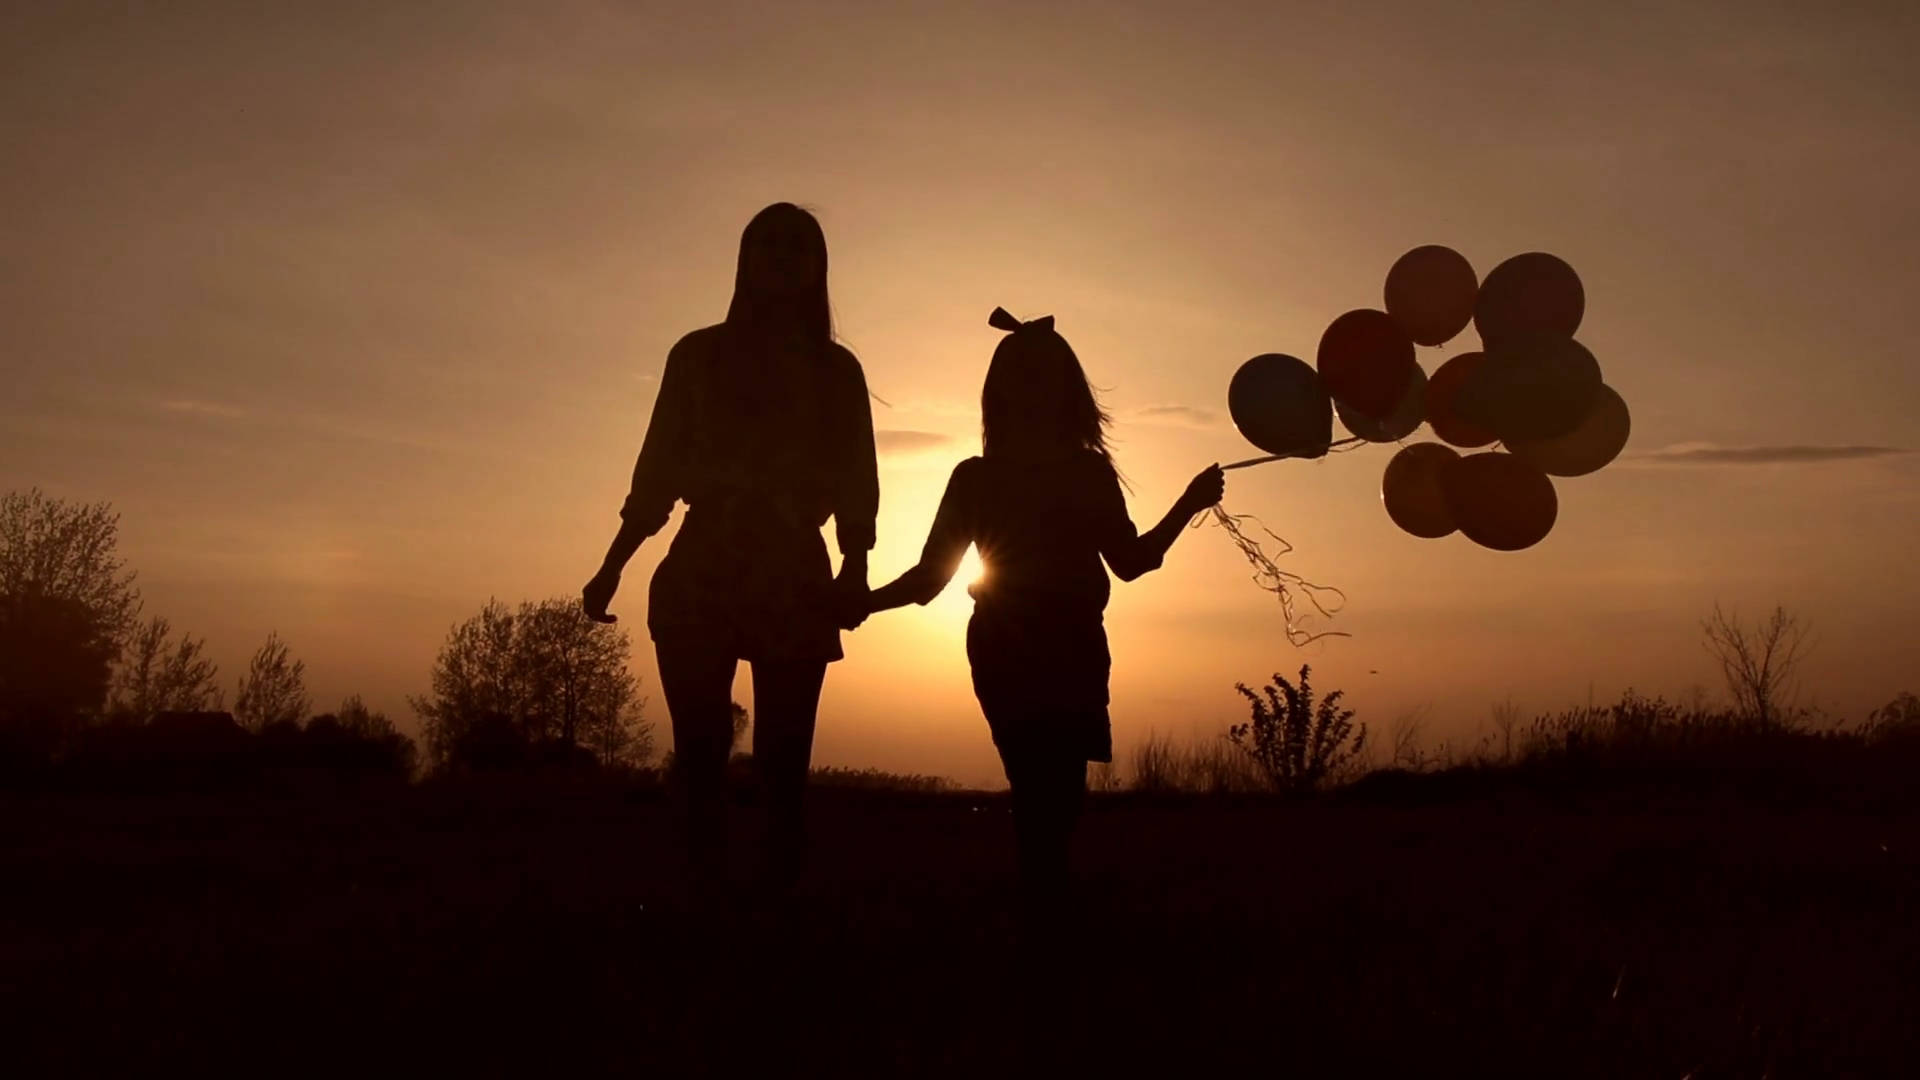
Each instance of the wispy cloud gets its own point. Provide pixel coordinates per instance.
(908, 442)
(1709, 454)
(194, 407)
(1177, 415)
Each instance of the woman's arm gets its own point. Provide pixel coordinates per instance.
(1131, 555)
(856, 486)
(657, 475)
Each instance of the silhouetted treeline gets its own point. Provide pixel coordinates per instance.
(211, 752)
(93, 693)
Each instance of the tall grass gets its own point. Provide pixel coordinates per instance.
(1633, 733)
(1204, 767)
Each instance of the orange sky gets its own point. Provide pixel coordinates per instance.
(355, 313)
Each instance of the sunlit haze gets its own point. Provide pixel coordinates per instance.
(355, 312)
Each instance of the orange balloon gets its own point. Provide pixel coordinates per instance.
(1431, 292)
(1587, 448)
(1412, 492)
(1443, 410)
(1531, 295)
(1405, 418)
(1535, 388)
(1500, 501)
(1366, 361)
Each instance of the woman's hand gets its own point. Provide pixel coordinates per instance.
(598, 593)
(852, 600)
(1205, 490)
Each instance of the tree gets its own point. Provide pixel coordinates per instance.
(742, 724)
(161, 675)
(66, 606)
(354, 716)
(365, 737)
(1758, 664)
(274, 690)
(539, 674)
(1299, 744)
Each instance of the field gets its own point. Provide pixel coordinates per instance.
(1486, 924)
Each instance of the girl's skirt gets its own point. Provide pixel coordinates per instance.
(1041, 677)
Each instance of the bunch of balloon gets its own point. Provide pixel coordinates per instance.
(1530, 399)
(1530, 388)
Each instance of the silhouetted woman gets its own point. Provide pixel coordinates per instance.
(1043, 505)
(762, 428)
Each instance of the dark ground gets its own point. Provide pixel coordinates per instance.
(533, 925)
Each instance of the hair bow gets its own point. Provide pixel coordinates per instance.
(1001, 320)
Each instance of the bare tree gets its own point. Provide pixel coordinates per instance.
(274, 690)
(1506, 717)
(158, 673)
(1758, 663)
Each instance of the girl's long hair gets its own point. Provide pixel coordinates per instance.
(1037, 399)
(761, 312)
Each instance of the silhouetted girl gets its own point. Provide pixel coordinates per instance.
(762, 427)
(1043, 504)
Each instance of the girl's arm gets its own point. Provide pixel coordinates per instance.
(1129, 555)
(947, 541)
(917, 586)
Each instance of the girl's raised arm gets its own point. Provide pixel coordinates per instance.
(946, 544)
(1130, 555)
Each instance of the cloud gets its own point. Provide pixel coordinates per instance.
(1709, 454)
(1178, 415)
(203, 408)
(908, 442)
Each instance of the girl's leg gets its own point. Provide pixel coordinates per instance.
(698, 684)
(1048, 789)
(786, 699)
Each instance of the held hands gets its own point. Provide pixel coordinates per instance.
(852, 600)
(598, 593)
(1204, 491)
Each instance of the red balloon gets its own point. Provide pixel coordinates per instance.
(1366, 361)
(1277, 402)
(1430, 292)
(1500, 501)
(1443, 410)
(1405, 418)
(1531, 295)
(1412, 492)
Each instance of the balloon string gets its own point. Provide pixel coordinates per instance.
(1269, 576)
(1296, 451)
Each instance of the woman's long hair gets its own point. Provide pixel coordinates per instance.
(1037, 399)
(782, 235)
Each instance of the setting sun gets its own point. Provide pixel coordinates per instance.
(954, 605)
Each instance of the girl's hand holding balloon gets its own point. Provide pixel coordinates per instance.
(1204, 491)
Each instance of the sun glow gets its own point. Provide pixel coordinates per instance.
(954, 606)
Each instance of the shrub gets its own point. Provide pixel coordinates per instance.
(1297, 743)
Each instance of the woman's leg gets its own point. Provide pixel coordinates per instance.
(698, 684)
(1049, 784)
(786, 699)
